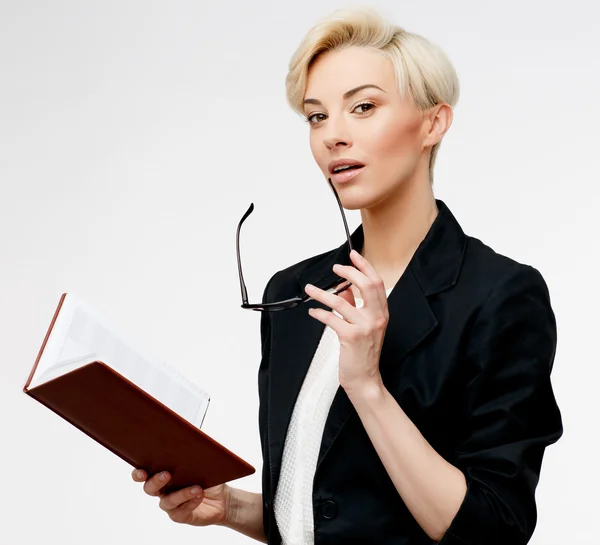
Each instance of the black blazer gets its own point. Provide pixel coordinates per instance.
(467, 354)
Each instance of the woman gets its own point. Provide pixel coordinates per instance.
(416, 405)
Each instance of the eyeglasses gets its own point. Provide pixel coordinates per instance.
(294, 301)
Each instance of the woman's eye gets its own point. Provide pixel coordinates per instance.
(365, 107)
(311, 118)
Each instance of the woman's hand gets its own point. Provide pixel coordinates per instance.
(191, 505)
(360, 330)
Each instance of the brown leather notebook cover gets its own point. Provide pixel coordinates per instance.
(135, 426)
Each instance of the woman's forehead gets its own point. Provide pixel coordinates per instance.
(336, 72)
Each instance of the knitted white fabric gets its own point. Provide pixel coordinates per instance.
(293, 499)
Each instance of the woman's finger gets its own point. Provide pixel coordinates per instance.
(375, 285)
(173, 500)
(341, 327)
(353, 275)
(139, 475)
(184, 511)
(348, 295)
(153, 485)
(363, 265)
(370, 288)
(350, 313)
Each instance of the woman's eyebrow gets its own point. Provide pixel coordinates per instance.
(346, 95)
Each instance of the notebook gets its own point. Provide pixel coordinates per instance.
(136, 406)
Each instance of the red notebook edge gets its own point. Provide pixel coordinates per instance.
(39, 356)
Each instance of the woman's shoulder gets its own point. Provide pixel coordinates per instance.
(484, 269)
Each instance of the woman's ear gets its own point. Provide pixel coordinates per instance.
(439, 120)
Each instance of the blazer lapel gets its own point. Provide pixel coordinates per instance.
(296, 335)
(411, 321)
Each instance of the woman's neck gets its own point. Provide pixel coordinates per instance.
(394, 230)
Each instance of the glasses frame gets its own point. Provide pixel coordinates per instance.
(294, 301)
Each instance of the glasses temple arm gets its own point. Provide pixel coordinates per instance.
(343, 215)
(239, 261)
(249, 211)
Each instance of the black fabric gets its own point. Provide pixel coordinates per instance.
(467, 354)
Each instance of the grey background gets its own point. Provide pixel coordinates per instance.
(134, 135)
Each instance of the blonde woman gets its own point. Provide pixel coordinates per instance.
(414, 406)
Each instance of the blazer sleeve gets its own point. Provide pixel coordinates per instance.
(511, 413)
(263, 386)
(263, 370)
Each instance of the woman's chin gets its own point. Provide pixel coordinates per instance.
(355, 198)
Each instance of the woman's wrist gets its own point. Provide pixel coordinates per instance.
(229, 501)
(243, 513)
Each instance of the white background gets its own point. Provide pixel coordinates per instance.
(134, 135)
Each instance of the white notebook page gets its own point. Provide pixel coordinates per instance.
(81, 335)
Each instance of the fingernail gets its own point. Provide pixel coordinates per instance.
(195, 491)
(163, 476)
(309, 287)
(139, 474)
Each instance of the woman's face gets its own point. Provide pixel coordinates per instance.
(355, 113)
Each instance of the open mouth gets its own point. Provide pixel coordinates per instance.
(345, 173)
(346, 167)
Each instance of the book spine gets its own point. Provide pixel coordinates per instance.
(37, 360)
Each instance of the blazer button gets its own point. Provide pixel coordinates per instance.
(329, 510)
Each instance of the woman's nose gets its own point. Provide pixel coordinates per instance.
(336, 142)
(336, 134)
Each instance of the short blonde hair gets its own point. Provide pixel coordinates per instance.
(422, 68)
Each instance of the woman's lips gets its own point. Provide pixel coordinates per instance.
(346, 175)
